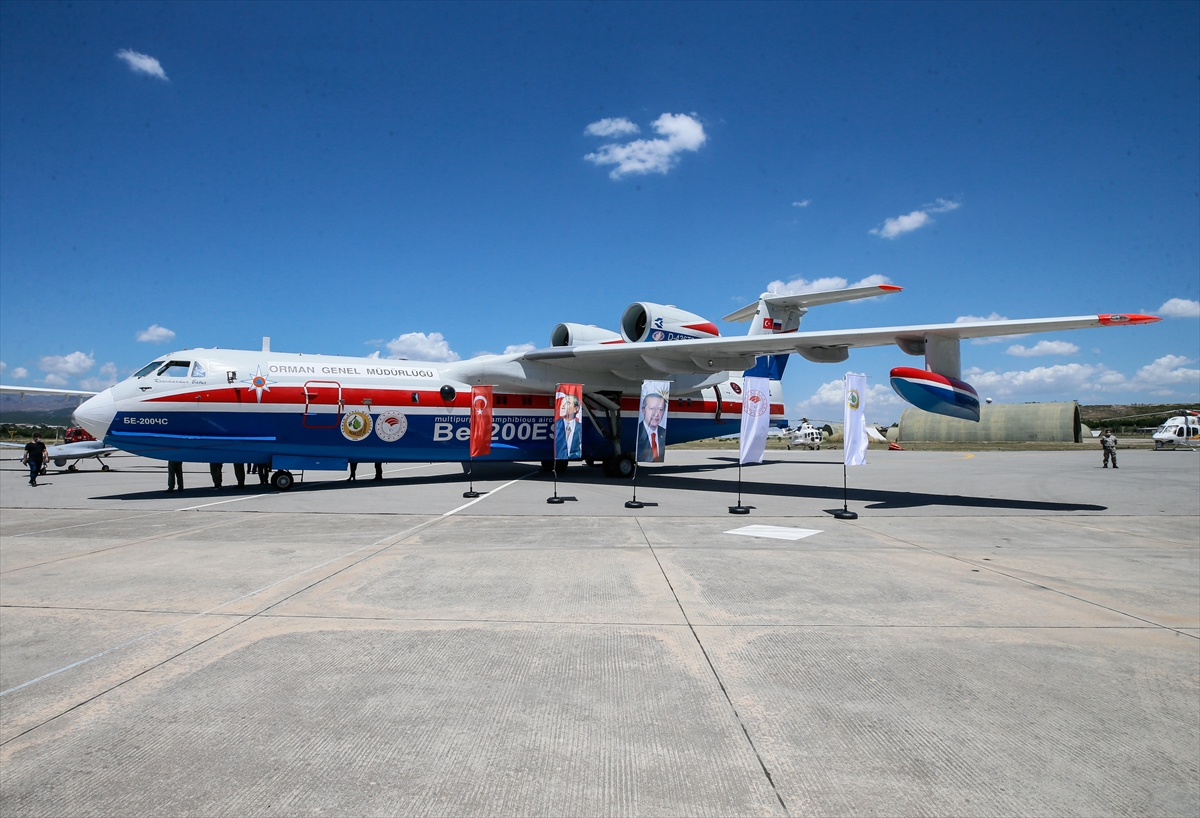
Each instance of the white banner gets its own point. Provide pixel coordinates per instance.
(854, 427)
(756, 417)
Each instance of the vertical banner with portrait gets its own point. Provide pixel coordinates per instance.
(481, 421)
(652, 421)
(568, 421)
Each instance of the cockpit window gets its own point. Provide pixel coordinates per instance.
(147, 369)
(198, 371)
(175, 369)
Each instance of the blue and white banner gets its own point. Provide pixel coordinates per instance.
(854, 426)
(756, 418)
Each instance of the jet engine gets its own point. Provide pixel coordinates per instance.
(645, 321)
(569, 335)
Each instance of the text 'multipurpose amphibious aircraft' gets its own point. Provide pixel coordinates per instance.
(295, 411)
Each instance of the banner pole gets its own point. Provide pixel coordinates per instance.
(471, 492)
(739, 508)
(845, 513)
(634, 502)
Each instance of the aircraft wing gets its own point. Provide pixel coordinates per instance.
(40, 390)
(71, 451)
(633, 360)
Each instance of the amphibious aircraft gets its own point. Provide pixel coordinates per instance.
(295, 411)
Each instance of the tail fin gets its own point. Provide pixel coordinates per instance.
(782, 313)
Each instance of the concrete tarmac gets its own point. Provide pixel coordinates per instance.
(998, 633)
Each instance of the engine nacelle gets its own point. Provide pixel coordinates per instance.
(936, 393)
(569, 335)
(645, 321)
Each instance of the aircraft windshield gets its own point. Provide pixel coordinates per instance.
(147, 369)
(175, 369)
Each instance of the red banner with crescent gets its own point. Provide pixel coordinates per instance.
(481, 420)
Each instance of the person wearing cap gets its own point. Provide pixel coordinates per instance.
(1108, 441)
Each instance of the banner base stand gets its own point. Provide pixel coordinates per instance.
(634, 504)
(843, 514)
(471, 495)
(740, 509)
(556, 500)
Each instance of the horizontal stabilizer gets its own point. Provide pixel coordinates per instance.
(806, 300)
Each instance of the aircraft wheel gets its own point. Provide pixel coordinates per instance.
(104, 467)
(71, 467)
(282, 480)
(1158, 445)
(623, 466)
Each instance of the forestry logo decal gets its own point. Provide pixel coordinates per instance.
(852, 400)
(356, 425)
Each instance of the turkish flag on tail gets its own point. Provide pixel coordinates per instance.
(481, 420)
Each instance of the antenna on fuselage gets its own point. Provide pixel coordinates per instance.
(266, 343)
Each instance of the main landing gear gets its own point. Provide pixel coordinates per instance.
(282, 480)
(620, 466)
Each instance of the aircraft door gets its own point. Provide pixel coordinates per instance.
(322, 404)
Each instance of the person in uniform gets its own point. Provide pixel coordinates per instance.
(1109, 443)
(174, 475)
(215, 470)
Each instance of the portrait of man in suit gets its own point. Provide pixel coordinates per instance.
(652, 428)
(568, 429)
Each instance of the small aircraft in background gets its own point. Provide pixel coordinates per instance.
(1182, 430)
(77, 443)
(806, 435)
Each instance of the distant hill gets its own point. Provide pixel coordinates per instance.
(1131, 415)
(52, 411)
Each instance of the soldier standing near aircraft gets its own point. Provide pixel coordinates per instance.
(35, 456)
(215, 470)
(1109, 441)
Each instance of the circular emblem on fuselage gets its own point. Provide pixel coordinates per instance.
(390, 426)
(735, 387)
(356, 424)
(852, 400)
(657, 335)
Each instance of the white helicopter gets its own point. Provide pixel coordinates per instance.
(1182, 430)
(806, 435)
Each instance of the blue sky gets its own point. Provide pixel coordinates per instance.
(341, 176)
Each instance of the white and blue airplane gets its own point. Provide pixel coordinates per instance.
(294, 412)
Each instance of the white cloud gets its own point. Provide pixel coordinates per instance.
(54, 380)
(804, 203)
(681, 132)
(1043, 348)
(1163, 377)
(19, 373)
(1180, 308)
(142, 64)
(417, 346)
(155, 334)
(918, 218)
(1167, 371)
(515, 348)
(613, 126)
(3, 367)
(108, 376)
(798, 286)
(76, 363)
(829, 396)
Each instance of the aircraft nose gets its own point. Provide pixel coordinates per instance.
(96, 414)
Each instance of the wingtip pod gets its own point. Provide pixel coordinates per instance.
(1117, 319)
(936, 393)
